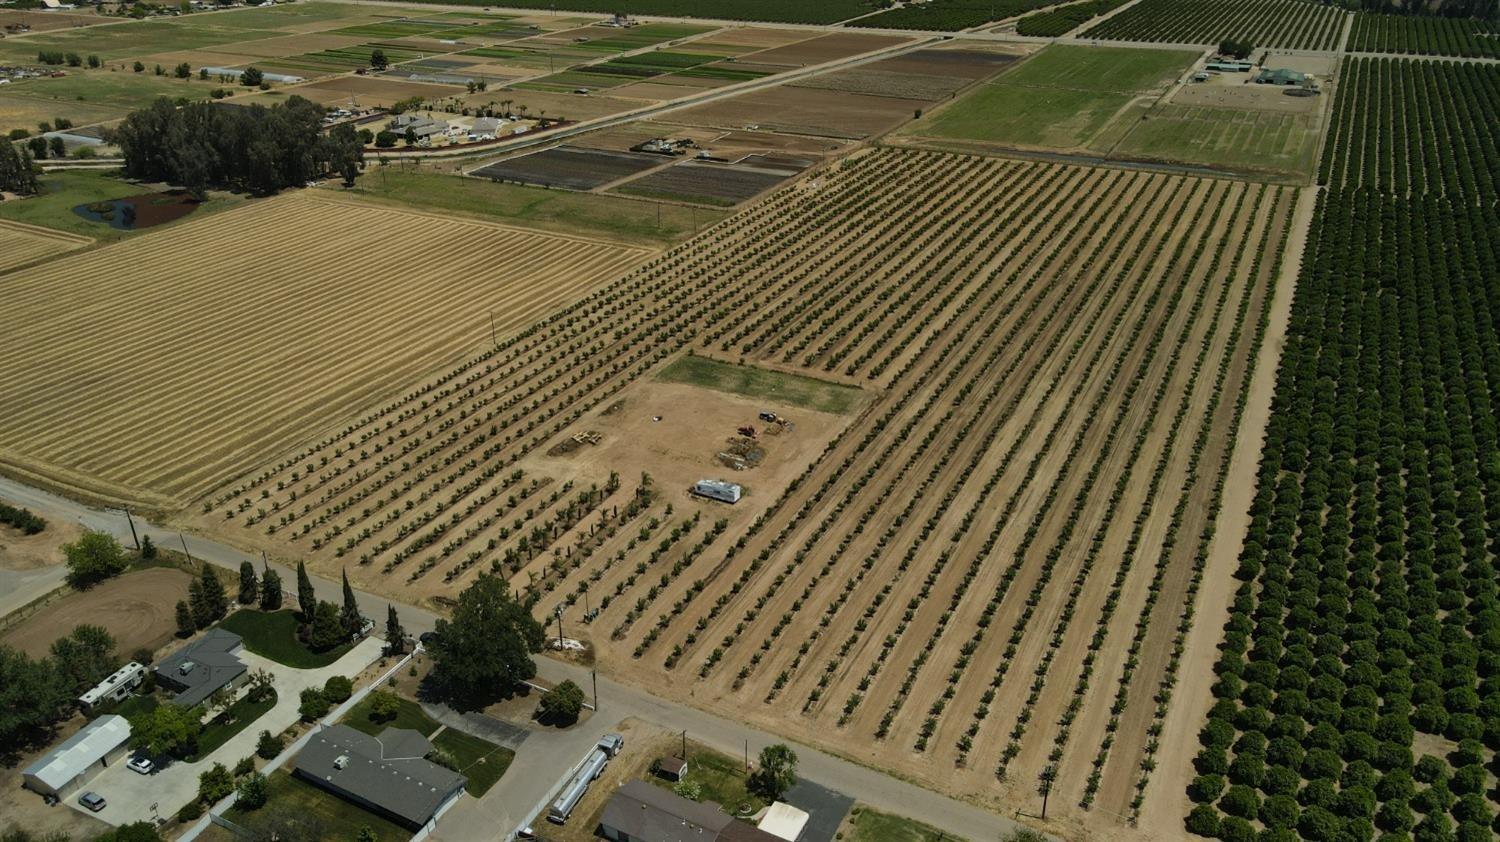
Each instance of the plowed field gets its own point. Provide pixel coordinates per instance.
(151, 370)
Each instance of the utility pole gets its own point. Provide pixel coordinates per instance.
(1048, 774)
(559, 628)
(493, 340)
(133, 536)
(595, 675)
(684, 745)
(747, 755)
(184, 546)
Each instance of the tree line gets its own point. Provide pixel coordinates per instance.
(254, 148)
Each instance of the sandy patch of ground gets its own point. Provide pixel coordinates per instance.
(759, 39)
(371, 90)
(1245, 95)
(31, 552)
(137, 608)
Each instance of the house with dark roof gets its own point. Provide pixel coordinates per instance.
(641, 812)
(386, 774)
(203, 667)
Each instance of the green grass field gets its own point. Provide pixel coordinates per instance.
(559, 211)
(794, 389)
(718, 778)
(866, 825)
(295, 809)
(1251, 140)
(274, 636)
(1064, 97)
(409, 715)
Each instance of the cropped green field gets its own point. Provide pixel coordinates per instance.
(1241, 140)
(1064, 97)
(752, 382)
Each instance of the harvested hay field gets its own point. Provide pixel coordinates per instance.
(293, 45)
(802, 111)
(246, 351)
(988, 561)
(369, 90)
(865, 80)
(21, 244)
(573, 167)
(713, 184)
(138, 608)
(47, 21)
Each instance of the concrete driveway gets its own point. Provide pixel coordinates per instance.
(131, 795)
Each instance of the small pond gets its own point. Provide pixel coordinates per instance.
(134, 213)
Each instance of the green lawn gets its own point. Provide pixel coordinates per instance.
(718, 777)
(130, 707)
(61, 192)
(1239, 139)
(274, 636)
(479, 760)
(866, 825)
(221, 728)
(806, 392)
(409, 716)
(296, 809)
(561, 211)
(1064, 97)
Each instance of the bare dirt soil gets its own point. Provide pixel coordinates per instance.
(803, 111)
(137, 608)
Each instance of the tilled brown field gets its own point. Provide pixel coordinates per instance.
(151, 370)
(987, 568)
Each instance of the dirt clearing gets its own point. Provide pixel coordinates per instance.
(137, 608)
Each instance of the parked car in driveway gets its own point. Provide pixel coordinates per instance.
(142, 765)
(92, 800)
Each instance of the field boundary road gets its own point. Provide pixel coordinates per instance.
(546, 754)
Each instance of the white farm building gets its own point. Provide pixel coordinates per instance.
(65, 769)
(715, 489)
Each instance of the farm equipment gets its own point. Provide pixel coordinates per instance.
(768, 416)
(747, 431)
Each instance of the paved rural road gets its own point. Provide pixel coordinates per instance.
(547, 755)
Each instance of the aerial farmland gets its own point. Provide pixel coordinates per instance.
(1081, 416)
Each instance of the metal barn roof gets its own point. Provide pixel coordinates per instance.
(80, 751)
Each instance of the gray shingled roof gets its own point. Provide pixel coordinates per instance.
(214, 665)
(652, 813)
(387, 771)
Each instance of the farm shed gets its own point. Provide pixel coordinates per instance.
(640, 812)
(386, 774)
(65, 769)
(201, 668)
(114, 688)
(1229, 66)
(1281, 76)
(714, 489)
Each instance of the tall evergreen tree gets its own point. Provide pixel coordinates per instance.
(17, 172)
(270, 589)
(198, 603)
(249, 586)
(215, 601)
(307, 599)
(395, 636)
(350, 616)
(186, 623)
